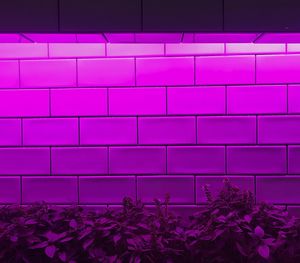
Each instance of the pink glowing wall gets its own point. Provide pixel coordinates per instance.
(92, 123)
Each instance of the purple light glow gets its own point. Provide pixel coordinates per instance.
(145, 114)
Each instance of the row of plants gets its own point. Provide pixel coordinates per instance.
(231, 228)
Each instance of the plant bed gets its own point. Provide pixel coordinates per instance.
(231, 228)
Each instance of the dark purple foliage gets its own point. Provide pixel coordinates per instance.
(231, 228)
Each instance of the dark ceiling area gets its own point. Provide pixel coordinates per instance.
(82, 16)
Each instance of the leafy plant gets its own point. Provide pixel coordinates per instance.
(231, 228)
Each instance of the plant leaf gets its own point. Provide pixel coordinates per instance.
(50, 251)
(259, 232)
(264, 251)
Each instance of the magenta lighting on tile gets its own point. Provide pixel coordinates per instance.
(91, 118)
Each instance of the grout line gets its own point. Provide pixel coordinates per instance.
(19, 69)
(196, 129)
(287, 99)
(135, 72)
(48, 50)
(26, 37)
(194, 70)
(150, 115)
(147, 145)
(182, 37)
(79, 131)
(154, 55)
(258, 36)
(137, 130)
(105, 38)
(255, 65)
(50, 102)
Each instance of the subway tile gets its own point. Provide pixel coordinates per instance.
(149, 37)
(106, 72)
(226, 130)
(196, 100)
(50, 189)
(253, 48)
(137, 160)
(293, 159)
(24, 102)
(169, 71)
(21, 50)
(179, 188)
(133, 49)
(256, 159)
(75, 50)
(108, 131)
(281, 129)
(90, 38)
(294, 99)
(9, 74)
(225, 37)
(257, 99)
(278, 189)
(52, 37)
(106, 189)
(217, 70)
(50, 131)
(194, 48)
(48, 73)
(167, 130)
(278, 69)
(137, 101)
(293, 47)
(196, 160)
(10, 132)
(120, 37)
(216, 183)
(10, 190)
(23, 161)
(81, 161)
(78, 102)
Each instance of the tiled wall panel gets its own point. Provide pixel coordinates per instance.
(92, 123)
